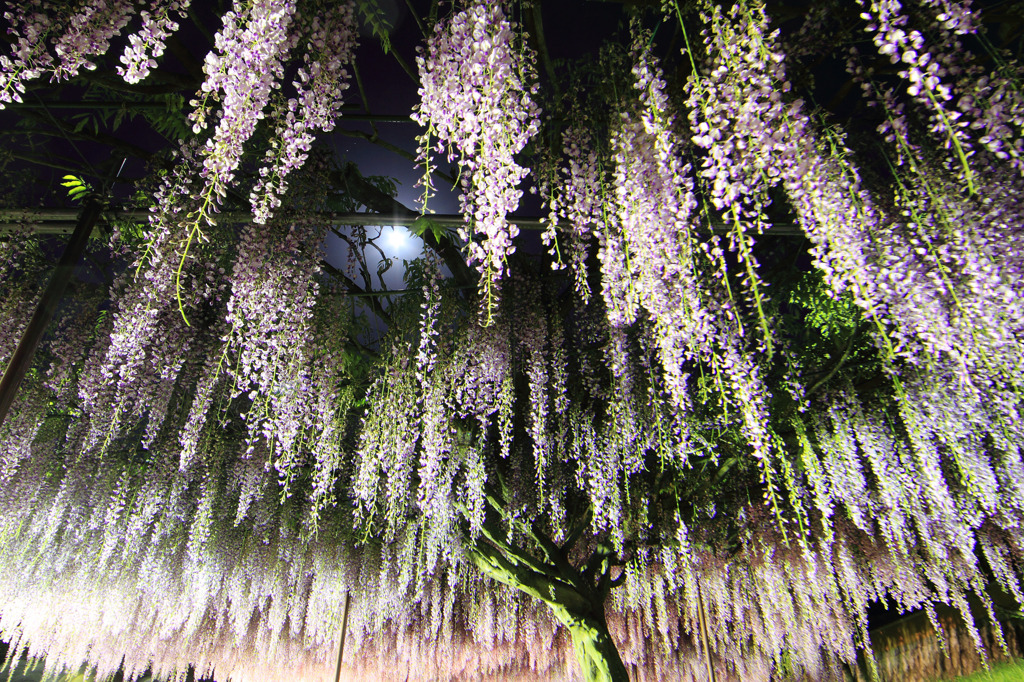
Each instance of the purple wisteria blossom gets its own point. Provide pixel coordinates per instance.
(574, 195)
(476, 82)
(330, 41)
(146, 45)
(221, 461)
(30, 25)
(240, 76)
(88, 32)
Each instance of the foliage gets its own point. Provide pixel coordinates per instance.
(76, 187)
(1002, 672)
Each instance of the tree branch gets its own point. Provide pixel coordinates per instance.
(356, 289)
(577, 530)
(191, 64)
(562, 568)
(162, 83)
(350, 181)
(374, 138)
(839, 363)
(541, 46)
(497, 564)
(126, 148)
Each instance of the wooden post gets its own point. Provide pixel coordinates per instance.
(702, 619)
(344, 630)
(26, 350)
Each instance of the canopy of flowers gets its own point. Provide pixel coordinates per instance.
(666, 438)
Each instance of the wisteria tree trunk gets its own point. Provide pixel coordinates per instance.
(576, 596)
(596, 652)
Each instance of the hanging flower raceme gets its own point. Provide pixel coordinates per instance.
(146, 45)
(574, 194)
(911, 272)
(136, 365)
(330, 40)
(655, 207)
(475, 101)
(735, 111)
(240, 75)
(30, 24)
(738, 113)
(78, 34)
(428, 415)
(926, 75)
(987, 99)
(88, 33)
(948, 264)
(273, 290)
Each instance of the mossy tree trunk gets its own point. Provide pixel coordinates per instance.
(575, 595)
(595, 651)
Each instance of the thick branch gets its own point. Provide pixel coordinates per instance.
(359, 188)
(576, 532)
(354, 288)
(566, 571)
(581, 611)
(497, 564)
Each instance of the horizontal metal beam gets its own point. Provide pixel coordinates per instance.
(117, 105)
(62, 221)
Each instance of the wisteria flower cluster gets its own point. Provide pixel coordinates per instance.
(740, 115)
(240, 76)
(925, 74)
(656, 207)
(201, 530)
(147, 44)
(736, 111)
(323, 78)
(863, 249)
(212, 493)
(77, 33)
(476, 82)
(991, 102)
(574, 195)
(132, 372)
(30, 24)
(88, 33)
(960, 301)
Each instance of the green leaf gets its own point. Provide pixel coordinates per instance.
(375, 16)
(77, 187)
(834, 316)
(424, 223)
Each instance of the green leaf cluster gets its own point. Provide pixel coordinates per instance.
(78, 188)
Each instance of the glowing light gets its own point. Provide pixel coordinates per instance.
(399, 243)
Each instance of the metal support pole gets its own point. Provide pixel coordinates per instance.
(58, 221)
(341, 646)
(26, 350)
